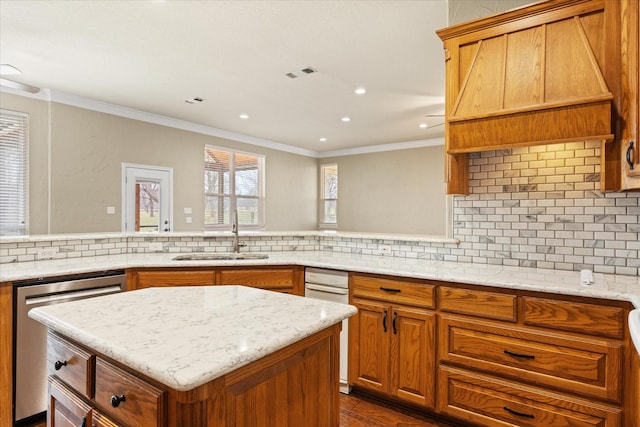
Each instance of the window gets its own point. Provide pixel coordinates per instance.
(329, 195)
(14, 173)
(233, 181)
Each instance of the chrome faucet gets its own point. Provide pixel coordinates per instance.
(236, 238)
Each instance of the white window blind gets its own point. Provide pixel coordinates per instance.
(14, 172)
(329, 195)
(233, 181)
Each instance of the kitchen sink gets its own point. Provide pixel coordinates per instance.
(219, 257)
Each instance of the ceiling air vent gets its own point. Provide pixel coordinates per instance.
(301, 73)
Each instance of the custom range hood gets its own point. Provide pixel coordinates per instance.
(542, 74)
(529, 76)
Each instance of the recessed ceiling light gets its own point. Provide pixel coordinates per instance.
(323, 139)
(346, 119)
(244, 116)
(423, 125)
(360, 91)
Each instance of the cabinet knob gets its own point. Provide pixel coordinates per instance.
(115, 400)
(630, 155)
(58, 365)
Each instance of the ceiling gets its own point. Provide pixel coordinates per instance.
(154, 55)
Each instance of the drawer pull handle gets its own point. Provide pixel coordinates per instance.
(395, 291)
(395, 317)
(384, 321)
(629, 157)
(84, 422)
(518, 414)
(115, 400)
(519, 356)
(58, 365)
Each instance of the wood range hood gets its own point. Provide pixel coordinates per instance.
(531, 76)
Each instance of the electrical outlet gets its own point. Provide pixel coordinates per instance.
(47, 253)
(156, 246)
(384, 250)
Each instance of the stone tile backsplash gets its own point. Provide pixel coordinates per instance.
(532, 207)
(541, 207)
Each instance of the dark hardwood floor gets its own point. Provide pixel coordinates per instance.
(357, 410)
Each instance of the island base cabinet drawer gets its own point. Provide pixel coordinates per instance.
(488, 401)
(128, 399)
(71, 364)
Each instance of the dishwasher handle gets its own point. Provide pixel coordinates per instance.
(327, 289)
(61, 297)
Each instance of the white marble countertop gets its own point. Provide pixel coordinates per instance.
(607, 286)
(185, 337)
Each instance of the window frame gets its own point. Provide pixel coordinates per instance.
(322, 222)
(232, 195)
(22, 168)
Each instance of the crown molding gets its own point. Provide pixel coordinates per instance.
(53, 95)
(383, 147)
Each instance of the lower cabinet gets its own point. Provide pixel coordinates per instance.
(491, 401)
(490, 357)
(287, 279)
(67, 410)
(391, 345)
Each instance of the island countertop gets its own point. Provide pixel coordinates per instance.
(185, 337)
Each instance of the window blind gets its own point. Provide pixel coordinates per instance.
(14, 172)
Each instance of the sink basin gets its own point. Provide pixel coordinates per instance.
(219, 257)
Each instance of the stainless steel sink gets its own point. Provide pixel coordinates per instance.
(219, 257)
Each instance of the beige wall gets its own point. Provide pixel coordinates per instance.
(87, 152)
(87, 149)
(392, 192)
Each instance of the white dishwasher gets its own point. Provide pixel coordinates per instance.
(333, 286)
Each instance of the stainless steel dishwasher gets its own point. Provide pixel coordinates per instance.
(30, 337)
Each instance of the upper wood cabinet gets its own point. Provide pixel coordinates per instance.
(546, 73)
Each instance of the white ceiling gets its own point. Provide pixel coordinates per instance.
(153, 55)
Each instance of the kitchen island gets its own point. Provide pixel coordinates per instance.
(194, 356)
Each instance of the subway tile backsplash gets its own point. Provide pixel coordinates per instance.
(532, 207)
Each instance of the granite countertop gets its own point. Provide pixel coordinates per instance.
(185, 337)
(607, 286)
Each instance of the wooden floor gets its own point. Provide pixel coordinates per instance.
(361, 411)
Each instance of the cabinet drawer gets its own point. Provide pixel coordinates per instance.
(141, 404)
(574, 316)
(147, 279)
(415, 294)
(71, 364)
(492, 305)
(587, 367)
(492, 402)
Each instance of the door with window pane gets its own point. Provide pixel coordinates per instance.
(147, 198)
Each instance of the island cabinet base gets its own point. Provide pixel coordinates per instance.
(297, 385)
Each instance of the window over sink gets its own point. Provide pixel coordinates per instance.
(14, 172)
(233, 181)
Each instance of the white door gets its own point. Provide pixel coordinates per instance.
(147, 198)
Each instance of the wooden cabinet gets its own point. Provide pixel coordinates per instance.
(6, 354)
(630, 94)
(553, 72)
(391, 339)
(297, 385)
(74, 374)
(287, 279)
(490, 401)
(535, 361)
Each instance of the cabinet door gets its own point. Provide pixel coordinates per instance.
(369, 345)
(413, 355)
(279, 279)
(65, 408)
(630, 94)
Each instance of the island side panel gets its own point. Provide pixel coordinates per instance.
(297, 386)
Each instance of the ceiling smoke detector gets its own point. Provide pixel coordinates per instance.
(301, 73)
